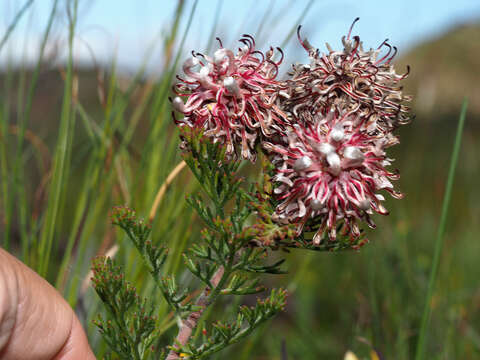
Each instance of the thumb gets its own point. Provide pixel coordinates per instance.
(35, 321)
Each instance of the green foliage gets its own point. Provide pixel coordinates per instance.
(176, 298)
(247, 320)
(223, 262)
(215, 174)
(130, 329)
(138, 232)
(61, 161)
(440, 234)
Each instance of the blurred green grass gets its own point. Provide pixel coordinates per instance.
(121, 148)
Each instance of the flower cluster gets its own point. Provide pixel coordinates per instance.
(362, 83)
(231, 97)
(330, 171)
(325, 129)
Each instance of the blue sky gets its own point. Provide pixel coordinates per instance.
(125, 29)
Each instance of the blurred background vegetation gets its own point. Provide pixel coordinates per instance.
(78, 137)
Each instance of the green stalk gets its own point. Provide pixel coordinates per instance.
(4, 125)
(440, 236)
(8, 205)
(159, 107)
(58, 175)
(82, 203)
(14, 23)
(264, 19)
(18, 173)
(98, 183)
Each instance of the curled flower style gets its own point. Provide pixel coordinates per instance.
(330, 173)
(362, 81)
(231, 97)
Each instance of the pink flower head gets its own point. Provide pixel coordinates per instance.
(363, 81)
(231, 97)
(331, 172)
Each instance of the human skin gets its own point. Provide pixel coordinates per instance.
(36, 323)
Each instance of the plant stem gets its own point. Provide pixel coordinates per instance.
(14, 23)
(61, 160)
(189, 324)
(163, 189)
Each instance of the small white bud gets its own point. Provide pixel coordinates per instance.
(231, 85)
(353, 153)
(316, 204)
(364, 204)
(331, 115)
(204, 71)
(218, 56)
(302, 163)
(337, 133)
(325, 148)
(333, 161)
(178, 104)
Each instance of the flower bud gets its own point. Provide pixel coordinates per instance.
(316, 204)
(302, 163)
(325, 148)
(337, 134)
(178, 104)
(333, 161)
(231, 85)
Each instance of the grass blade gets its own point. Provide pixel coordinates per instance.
(58, 175)
(18, 172)
(14, 23)
(440, 235)
(6, 200)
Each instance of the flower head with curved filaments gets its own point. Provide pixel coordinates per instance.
(330, 173)
(363, 82)
(231, 97)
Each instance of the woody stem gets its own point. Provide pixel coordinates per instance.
(190, 323)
